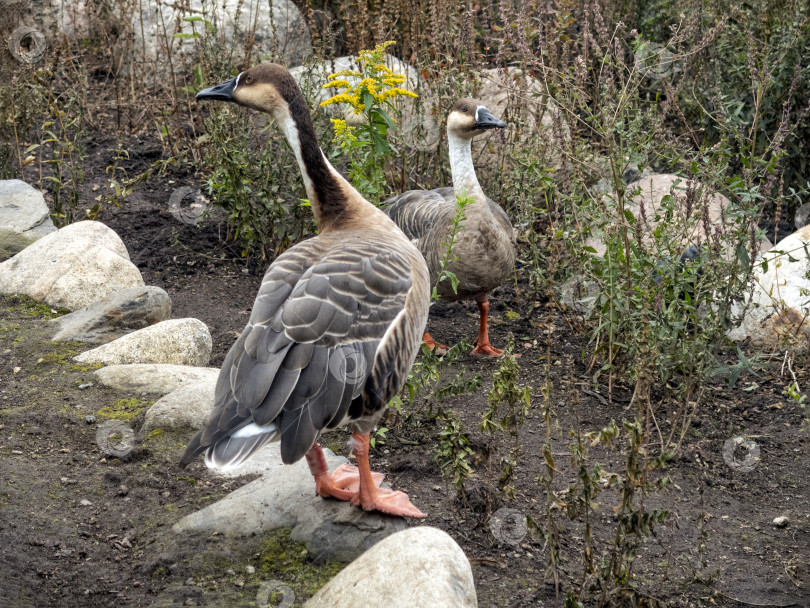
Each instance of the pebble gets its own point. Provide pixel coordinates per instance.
(86, 385)
(781, 522)
(85, 503)
(17, 370)
(90, 419)
(230, 572)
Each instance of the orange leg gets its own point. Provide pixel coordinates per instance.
(482, 345)
(373, 498)
(431, 344)
(343, 484)
(358, 484)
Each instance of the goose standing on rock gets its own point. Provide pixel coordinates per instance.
(485, 247)
(335, 327)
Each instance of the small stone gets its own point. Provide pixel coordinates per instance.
(437, 488)
(85, 385)
(123, 490)
(229, 572)
(85, 503)
(781, 522)
(90, 419)
(250, 570)
(189, 582)
(17, 370)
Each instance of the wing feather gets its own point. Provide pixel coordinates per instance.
(309, 348)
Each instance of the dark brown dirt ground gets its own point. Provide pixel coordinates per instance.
(718, 548)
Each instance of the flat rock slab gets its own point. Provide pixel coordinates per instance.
(114, 315)
(285, 497)
(156, 379)
(177, 341)
(185, 407)
(420, 566)
(72, 267)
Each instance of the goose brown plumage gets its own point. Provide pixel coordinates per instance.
(335, 326)
(484, 250)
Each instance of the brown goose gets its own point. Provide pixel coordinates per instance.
(485, 248)
(334, 329)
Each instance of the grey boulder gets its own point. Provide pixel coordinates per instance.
(24, 217)
(177, 341)
(285, 497)
(420, 566)
(72, 267)
(114, 315)
(153, 378)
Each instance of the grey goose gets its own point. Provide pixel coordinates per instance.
(485, 248)
(335, 326)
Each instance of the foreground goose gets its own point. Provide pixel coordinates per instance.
(485, 248)
(334, 329)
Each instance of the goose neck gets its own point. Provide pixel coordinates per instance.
(462, 169)
(327, 191)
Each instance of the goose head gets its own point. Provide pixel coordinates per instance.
(469, 117)
(267, 87)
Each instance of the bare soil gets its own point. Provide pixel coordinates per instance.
(81, 529)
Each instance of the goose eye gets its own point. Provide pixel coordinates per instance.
(248, 79)
(464, 108)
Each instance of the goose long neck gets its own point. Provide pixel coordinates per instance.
(462, 170)
(330, 195)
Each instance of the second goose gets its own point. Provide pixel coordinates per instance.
(485, 248)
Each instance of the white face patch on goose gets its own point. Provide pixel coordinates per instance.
(238, 76)
(476, 111)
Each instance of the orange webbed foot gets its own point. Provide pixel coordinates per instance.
(343, 484)
(488, 350)
(390, 502)
(428, 340)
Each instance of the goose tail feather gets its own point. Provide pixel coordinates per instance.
(230, 452)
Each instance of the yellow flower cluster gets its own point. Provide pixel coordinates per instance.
(376, 79)
(343, 132)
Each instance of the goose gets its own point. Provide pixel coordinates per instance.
(485, 247)
(335, 327)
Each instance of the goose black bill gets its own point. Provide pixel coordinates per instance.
(220, 92)
(484, 120)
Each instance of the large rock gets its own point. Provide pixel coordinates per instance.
(187, 406)
(521, 101)
(22, 207)
(285, 497)
(421, 566)
(178, 341)
(24, 217)
(152, 378)
(114, 315)
(777, 313)
(688, 198)
(72, 267)
(156, 25)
